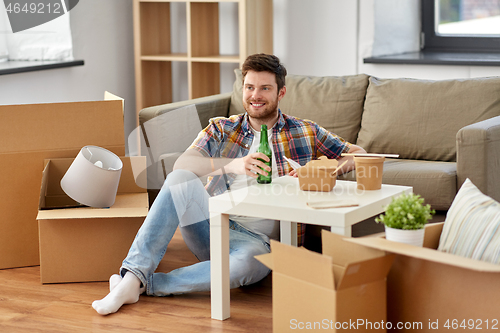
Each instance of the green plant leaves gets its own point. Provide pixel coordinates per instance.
(406, 212)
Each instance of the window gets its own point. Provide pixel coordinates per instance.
(47, 41)
(461, 25)
(36, 47)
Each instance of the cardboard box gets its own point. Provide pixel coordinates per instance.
(79, 243)
(439, 291)
(342, 289)
(30, 134)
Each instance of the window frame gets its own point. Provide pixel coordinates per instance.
(433, 42)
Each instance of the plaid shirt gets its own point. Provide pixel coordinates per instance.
(298, 139)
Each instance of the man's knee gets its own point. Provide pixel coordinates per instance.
(243, 260)
(180, 176)
(245, 270)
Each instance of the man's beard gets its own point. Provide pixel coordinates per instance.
(269, 112)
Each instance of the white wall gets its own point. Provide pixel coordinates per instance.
(102, 37)
(316, 37)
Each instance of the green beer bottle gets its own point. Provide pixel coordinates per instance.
(266, 150)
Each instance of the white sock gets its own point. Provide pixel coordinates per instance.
(113, 281)
(126, 291)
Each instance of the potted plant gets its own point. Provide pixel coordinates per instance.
(405, 218)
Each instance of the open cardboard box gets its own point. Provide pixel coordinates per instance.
(30, 134)
(342, 289)
(441, 291)
(80, 243)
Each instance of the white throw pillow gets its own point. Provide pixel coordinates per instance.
(472, 226)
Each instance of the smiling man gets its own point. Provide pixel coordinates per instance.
(261, 98)
(226, 150)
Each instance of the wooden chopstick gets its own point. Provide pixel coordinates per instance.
(371, 155)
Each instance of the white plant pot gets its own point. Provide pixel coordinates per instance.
(412, 237)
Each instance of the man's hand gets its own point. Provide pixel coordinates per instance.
(249, 165)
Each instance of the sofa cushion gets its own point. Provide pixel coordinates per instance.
(436, 182)
(334, 102)
(419, 119)
(472, 226)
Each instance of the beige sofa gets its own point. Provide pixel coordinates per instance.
(444, 131)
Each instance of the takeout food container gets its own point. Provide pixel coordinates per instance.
(318, 175)
(369, 172)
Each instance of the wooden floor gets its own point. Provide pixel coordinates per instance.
(28, 306)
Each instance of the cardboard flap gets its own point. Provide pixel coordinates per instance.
(302, 264)
(61, 126)
(426, 254)
(432, 235)
(343, 252)
(112, 97)
(134, 180)
(338, 273)
(138, 166)
(126, 205)
(359, 273)
(266, 259)
(43, 188)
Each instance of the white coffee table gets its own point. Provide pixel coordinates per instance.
(283, 200)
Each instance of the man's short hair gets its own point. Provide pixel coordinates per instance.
(265, 63)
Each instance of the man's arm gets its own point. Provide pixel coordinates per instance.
(349, 166)
(353, 149)
(200, 165)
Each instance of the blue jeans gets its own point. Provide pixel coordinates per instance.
(183, 202)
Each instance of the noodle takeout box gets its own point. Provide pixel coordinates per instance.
(318, 175)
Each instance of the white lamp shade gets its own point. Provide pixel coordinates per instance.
(93, 177)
